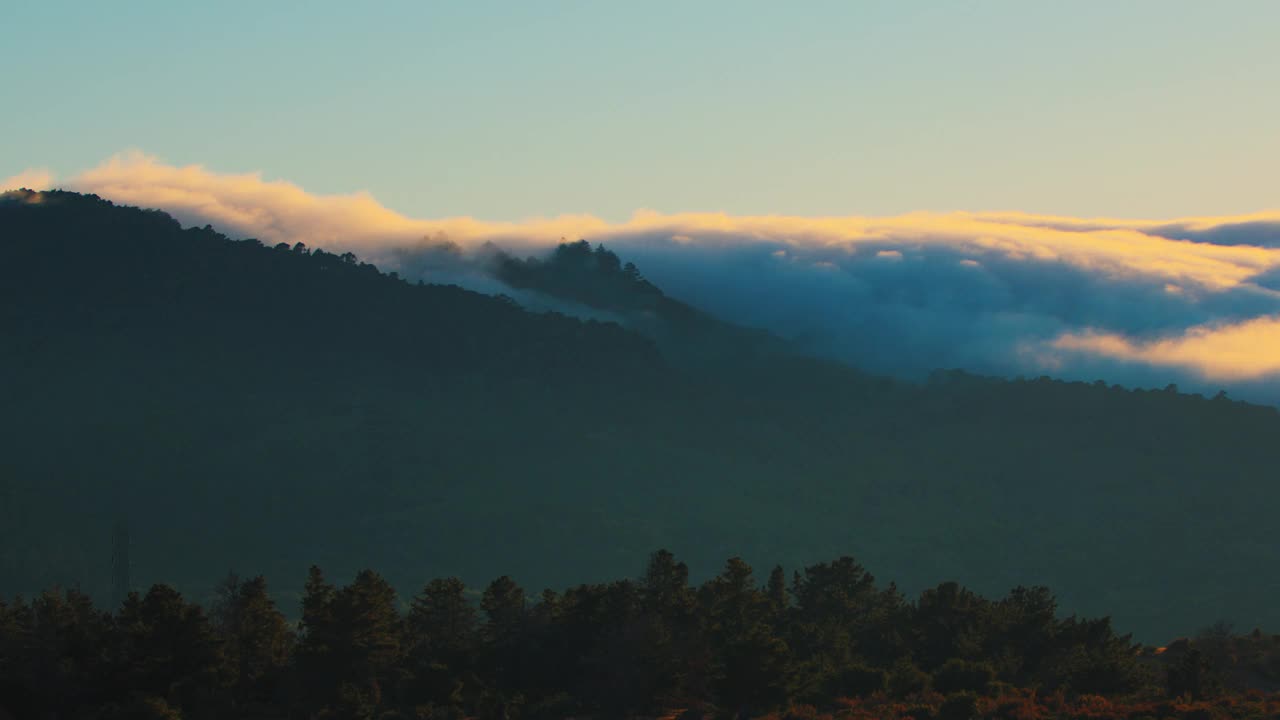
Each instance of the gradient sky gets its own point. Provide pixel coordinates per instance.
(505, 110)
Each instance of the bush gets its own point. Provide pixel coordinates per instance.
(1192, 676)
(801, 712)
(959, 706)
(560, 705)
(919, 712)
(907, 679)
(960, 676)
(1017, 705)
(857, 681)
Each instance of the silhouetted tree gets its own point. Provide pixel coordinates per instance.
(951, 621)
(168, 649)
(317, 651)
(367, 636)
(440, 641)
(257, 642)
(504, 606)
(751, 667)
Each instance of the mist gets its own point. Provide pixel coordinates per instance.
(1190, 301)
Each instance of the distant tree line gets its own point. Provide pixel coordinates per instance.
(732, 646)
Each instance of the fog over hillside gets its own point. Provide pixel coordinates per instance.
(1192, 301)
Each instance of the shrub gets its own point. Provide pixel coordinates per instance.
(919, 712)
(960, 676)
(800, 712)
(858, 681)
(959, 706)
(907, 679)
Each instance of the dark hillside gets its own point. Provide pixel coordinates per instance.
(599, 279)
(258, 409)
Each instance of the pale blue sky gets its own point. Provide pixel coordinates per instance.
(503, 110)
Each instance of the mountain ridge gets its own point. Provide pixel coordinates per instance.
(225, 397)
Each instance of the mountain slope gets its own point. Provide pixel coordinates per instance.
(598, 279)
(260, 409)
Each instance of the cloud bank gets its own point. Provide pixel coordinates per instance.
(1143, 302)
(1247, 350)
(31, 179)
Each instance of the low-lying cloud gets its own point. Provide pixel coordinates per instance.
(1189, 300)
(1248, 350)
(31, 179)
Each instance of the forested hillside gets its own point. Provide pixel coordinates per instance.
(257, 409)
(597, 278)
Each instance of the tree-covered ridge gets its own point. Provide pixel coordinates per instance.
(827, 639)
(599, 279)
(575, 271)
(134, 267)
(221, 397)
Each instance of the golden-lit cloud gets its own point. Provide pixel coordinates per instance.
(1193, 295)
(277, 211)
(1248, 350)
(30, 179)
(245, 203)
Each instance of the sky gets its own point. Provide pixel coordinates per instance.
(1087, 190)
(506, 110)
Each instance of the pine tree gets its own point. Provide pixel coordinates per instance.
(367, 629)
(669, 624)
(504, 606)
(440, 642)
(776, 591)
(168, 648)
(256, 640)
(315, 655)
(442, 623)
(751, 660)
(503, 603)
